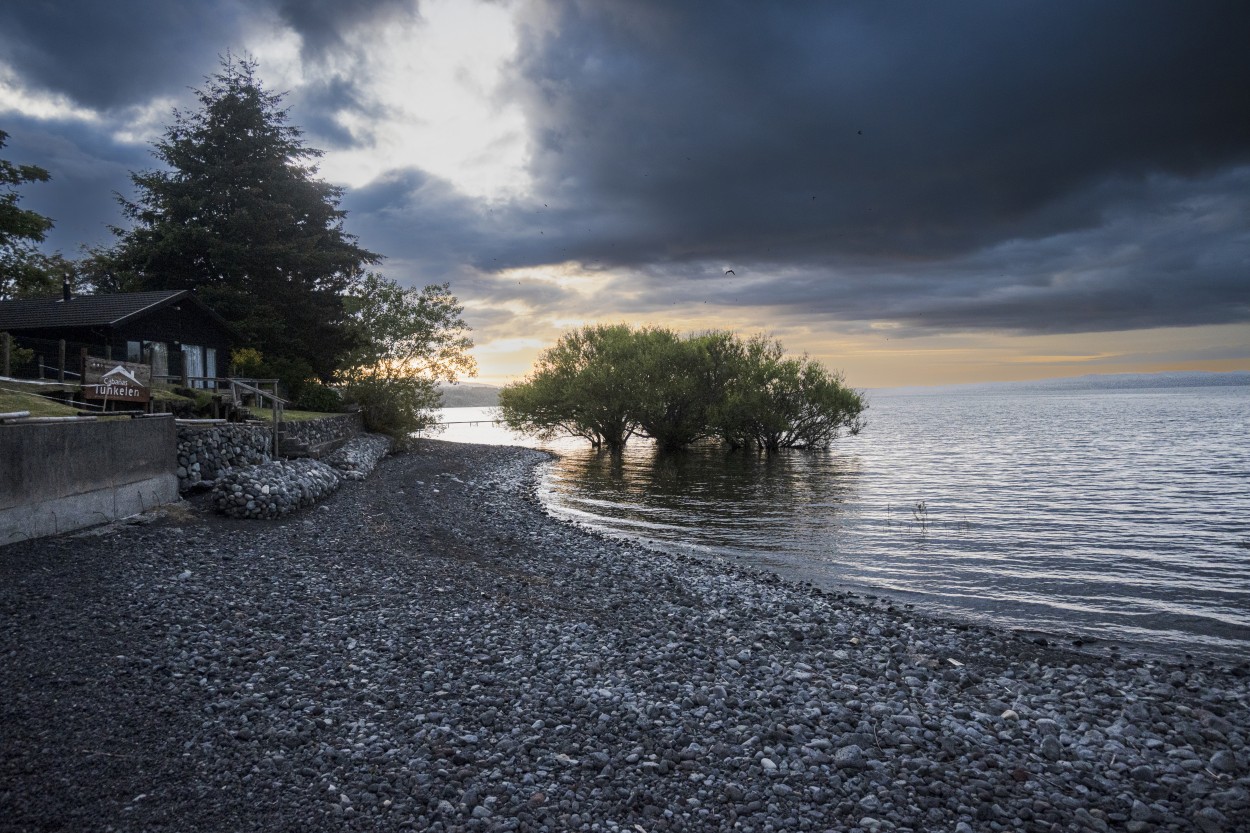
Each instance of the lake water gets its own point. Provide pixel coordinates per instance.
(1115, 514)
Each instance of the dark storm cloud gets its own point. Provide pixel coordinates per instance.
(111, 54)
(875, 128)
(322, 24)
(903, 142)
(425, 226)
(1048, 166)
(324, 27)
(320, 104)
(88, 169)
(1176, 253)
(1167, 251)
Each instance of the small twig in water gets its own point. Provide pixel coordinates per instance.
(921, 513)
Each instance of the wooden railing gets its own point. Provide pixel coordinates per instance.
(268, 387)
(240, 388)
(240, 392)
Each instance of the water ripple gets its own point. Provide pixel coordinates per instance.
(1121, 514)
(1110, 514)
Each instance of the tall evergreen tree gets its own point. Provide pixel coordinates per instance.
(240, 216)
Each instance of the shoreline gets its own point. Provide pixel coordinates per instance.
(429, 649)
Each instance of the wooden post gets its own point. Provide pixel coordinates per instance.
(276, 417)
(39, 364)
(6, 342)
(60, 361)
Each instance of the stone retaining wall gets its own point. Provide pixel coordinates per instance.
(274, 489)
(205, 451)
(317, 437)
(284, 486)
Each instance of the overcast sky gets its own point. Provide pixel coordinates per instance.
(913, 192)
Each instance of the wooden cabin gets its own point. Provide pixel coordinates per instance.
(172, 331)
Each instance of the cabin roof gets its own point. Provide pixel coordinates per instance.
(111, 310)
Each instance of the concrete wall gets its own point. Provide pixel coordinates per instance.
(57, 477)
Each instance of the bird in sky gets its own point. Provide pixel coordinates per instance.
(730, 272)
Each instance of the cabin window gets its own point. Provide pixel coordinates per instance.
(134, 351)
(193, 364)
(210, 364)
(156, 354)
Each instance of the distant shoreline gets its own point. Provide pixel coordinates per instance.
(1088, 382)
(469, 395)
(476, 395)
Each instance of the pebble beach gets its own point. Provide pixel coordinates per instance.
(428, 650)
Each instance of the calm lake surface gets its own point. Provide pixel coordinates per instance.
(1121, 514)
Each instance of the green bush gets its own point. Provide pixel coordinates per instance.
(247, 361)
(409, 341)
(320, 398)
(293, 375)
(394, 406)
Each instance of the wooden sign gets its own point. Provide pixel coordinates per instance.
(119, 381)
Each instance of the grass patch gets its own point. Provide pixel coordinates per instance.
(30, 396)
(164, 394)
(289, 414)
(16, 397)
(25, 396)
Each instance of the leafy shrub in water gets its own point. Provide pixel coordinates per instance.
(606, 383)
